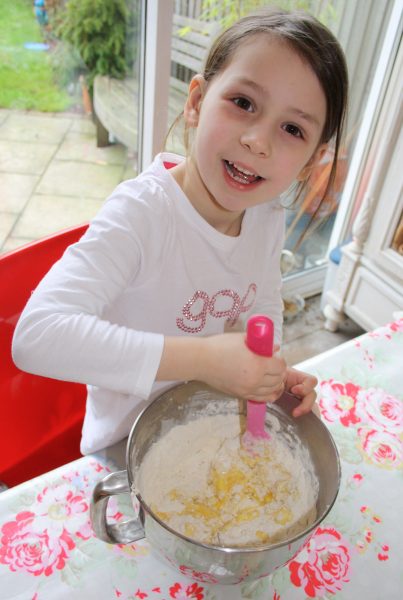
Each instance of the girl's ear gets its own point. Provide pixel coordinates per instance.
(312, 163)
(193, 103)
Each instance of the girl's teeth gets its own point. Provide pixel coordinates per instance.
(241, 169)
(240, 175)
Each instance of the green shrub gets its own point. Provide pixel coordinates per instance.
(99, 30)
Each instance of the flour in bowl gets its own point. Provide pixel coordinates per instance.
(201, 481)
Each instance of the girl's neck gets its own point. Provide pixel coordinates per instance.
(188, 179)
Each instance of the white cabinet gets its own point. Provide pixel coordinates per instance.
(369, 281)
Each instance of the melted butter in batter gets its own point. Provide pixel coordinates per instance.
(201, 482)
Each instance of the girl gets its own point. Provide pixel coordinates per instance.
(176, 259)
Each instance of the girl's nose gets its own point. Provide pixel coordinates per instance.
(257, 141)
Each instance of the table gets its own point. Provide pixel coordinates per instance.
(47, 548)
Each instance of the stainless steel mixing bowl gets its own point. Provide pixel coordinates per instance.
(204, 562)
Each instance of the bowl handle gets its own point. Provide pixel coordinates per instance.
(125, 532)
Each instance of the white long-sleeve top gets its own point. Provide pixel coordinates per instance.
(148, 266)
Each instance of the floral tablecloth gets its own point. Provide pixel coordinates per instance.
(47, 548)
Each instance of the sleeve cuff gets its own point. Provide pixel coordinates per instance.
(153, 345)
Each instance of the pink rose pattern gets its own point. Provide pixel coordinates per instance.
(22, 548)
(177, 591)
(388, 330)
(381, 448)
(337, 402)
(183, 592)
(322, 566)
(367, 536)
(378, 417)
(40, 541)
(192, 574)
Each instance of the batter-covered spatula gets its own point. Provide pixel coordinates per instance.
(259, 339)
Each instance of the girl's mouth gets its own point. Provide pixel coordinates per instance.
(239, 174)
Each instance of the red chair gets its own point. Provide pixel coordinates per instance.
(41, 418)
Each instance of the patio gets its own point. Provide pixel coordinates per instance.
(49, 164)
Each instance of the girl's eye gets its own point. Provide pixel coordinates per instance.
(293, 130)
(243, 103)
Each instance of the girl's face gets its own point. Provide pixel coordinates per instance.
(258, 125)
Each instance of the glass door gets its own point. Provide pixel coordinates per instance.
(117, 88)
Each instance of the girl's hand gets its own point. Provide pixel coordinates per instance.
(303, 385)
(226, 363)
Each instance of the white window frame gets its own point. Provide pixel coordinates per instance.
(155, 79)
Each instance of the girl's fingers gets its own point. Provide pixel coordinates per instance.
(269, 394)
(306, 404)
(300, 390)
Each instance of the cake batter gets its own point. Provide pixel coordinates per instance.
(201, 481)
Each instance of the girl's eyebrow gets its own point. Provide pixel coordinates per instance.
(310, 118)
(251, 83)
(304, 115)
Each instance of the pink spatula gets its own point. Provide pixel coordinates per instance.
(259, 339)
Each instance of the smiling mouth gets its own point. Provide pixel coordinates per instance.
(239, 174)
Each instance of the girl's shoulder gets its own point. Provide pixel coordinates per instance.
(152, 191)
(265, 224)
(139, 211)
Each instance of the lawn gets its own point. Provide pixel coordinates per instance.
(26, 77)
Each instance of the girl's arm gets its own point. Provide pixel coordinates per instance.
(64, 331)
(224, 362)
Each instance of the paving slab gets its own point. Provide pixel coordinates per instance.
(45, 214)
(7, 221)
(4, 113)
(84, 124)
(34, 128)
(15, 191)
(75, 178)
(131, 169)
(25, 157)
(81, 146)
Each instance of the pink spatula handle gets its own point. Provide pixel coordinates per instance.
(259, 339)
